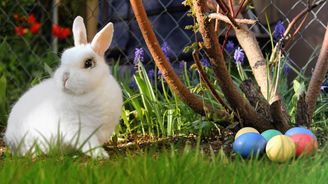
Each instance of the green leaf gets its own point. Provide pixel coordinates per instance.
(3, 99)
(299, 88)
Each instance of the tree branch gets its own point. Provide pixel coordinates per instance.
(226, 19)
(212, 48)
(300, 15)
(207, 81)
(177, 86)
(225, 9)
(318, 76)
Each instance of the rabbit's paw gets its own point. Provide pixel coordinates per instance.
(98, 153)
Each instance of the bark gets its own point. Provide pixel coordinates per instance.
(255, 97)
(279, 116)
(257, 63)
(226, 19)
(212, 48)
(318, 76)
(177, 86)
(302, 115)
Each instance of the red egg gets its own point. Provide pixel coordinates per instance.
(305, 144)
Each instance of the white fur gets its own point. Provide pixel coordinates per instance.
(87, 104)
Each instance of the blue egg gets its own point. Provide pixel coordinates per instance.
(249, 144)
(299, 130)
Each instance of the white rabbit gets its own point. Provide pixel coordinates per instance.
(81, 103)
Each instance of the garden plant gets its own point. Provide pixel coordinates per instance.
(180, 121)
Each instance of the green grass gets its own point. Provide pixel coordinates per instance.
(165, 167)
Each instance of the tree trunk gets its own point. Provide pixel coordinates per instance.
(211, 46)
(318, 76)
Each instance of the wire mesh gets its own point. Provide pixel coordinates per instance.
(168, 18)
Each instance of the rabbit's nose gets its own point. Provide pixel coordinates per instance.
(65, 77)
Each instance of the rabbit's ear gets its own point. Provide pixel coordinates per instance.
(79, 31)
(103, 39)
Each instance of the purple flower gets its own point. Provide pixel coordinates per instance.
(230, 46)
(279, 31)
(205, 62)
(159, 73)
(196, 81)
(133, 84)
(181, 65)
(151, 73)
(165, 48)
(324, 87)
(286, 68)
(239, 55)
(138, 55)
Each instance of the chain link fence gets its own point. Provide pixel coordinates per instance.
(168, 17)
(33, 33)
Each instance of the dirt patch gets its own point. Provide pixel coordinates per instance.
(140, 143)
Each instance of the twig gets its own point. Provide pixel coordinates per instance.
(207, 82)
(177, 86)
(231, 8)
(291, 24)
(242, 5)
(318, 76)
(226, 19)
(217, 23)
(300, 25)
(300, 15)
(225, 9)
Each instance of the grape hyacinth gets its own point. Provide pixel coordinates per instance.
(165, 48)
(279, 31)
(138, 55)
(195, 81)
(159, 74)
(181, 65)
(230, 46)
(151, 73)
(132, 84)
(286, 68)
(205, 62)
(324, 87)
(239, 55)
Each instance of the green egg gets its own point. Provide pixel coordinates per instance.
(268, 134)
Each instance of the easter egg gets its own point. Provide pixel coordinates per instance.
(280, 148)
(245, 130)
(249, 144)
(268, 134)
(299, 130)
(304, 144)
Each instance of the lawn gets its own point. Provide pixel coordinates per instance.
(166, 166)
(179, 118)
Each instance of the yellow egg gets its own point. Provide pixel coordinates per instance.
(280, 148)
(245, 130)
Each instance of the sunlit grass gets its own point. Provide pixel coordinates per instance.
(166, 166)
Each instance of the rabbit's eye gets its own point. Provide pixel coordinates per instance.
(89, 63)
